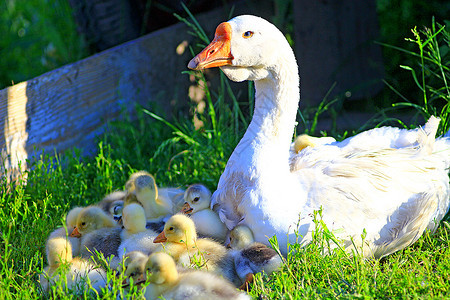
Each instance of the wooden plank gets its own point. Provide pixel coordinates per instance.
(68, 107)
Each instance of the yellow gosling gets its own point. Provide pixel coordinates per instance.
(77, 271)
(71, 223)
(166, 282)
(157, 203)
(98, 231)
(251, 257)
(197, 199)
(180, 240)
(135, 236)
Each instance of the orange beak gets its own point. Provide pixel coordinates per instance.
(140, 279)
(160, 238)
(186, 209)
(216, 54)
(75, 233)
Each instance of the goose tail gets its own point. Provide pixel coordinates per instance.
(407, 224)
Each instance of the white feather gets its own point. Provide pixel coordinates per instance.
(393, 183)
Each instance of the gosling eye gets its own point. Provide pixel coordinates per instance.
(117, 210)
(196, 199)
(247, 34)
(132, 274)
(170, 228)
(83, 224)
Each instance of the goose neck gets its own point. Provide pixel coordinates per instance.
(276, 104)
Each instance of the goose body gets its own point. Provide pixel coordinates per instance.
(389, 182)
(197, 199)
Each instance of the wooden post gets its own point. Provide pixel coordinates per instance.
(334, 42)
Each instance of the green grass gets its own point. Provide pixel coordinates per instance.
(36, 36)
(29, 213)
(179, 155)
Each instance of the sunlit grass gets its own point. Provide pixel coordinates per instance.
(36, 36)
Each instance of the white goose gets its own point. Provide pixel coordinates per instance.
(392, 183)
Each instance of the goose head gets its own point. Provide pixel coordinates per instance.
(160, 269)
(91, 218)
(134, 218)
(197, 197)
(179, 229)
(245, 48)
(241, 236)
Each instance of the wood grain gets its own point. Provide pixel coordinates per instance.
(70, 106)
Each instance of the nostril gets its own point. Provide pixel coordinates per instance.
(212, 51)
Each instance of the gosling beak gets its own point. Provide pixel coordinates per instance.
(216, 54)
(140, 279)
(75, 233)
(118, 219)
(186, 209)
(160, 238)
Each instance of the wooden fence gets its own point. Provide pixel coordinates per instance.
(70, 106)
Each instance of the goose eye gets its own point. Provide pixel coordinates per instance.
(132, 275)
(196, 199)
(83, 224)
(247, 34)
(171, 228)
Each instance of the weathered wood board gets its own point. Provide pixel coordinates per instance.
(68, 107)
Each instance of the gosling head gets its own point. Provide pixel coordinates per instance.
(178, 229)
(160, 269)
(91, 218)
(241, 236)
(197, 197)
(71, 218)
(133, 267)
